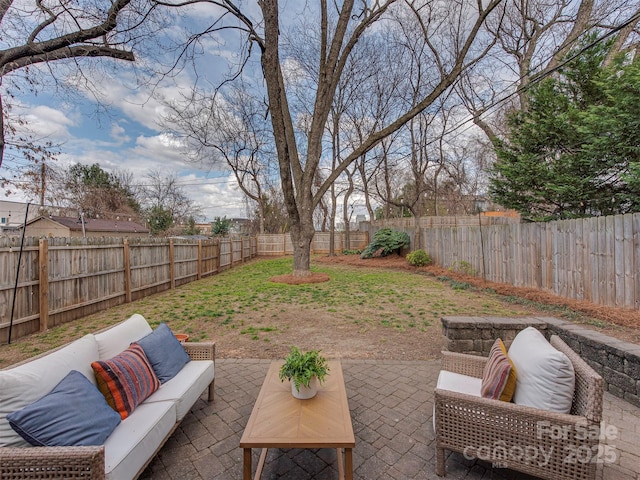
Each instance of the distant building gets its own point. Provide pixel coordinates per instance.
(52, 226)
(204, 228)
(240, 226)
(12, 215)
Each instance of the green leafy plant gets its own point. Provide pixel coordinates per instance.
(221, 226)
(419, 258)
(302, 367)
(464, 267)
(387, 241)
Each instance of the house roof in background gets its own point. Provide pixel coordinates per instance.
(96, 224)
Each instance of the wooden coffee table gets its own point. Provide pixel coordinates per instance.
(279, 420)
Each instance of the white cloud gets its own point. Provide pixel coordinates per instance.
(118, 133)
(45, 122)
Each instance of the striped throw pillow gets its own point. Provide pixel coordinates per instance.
(499, 375)
(126, 380)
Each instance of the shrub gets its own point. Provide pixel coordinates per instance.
(419, 258)
(221, 226)
(387, 241)
(464, 267)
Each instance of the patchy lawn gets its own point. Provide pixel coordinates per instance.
(380, 309)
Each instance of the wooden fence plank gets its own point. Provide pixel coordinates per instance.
(618, 261)
(127, 270)
(610, 278)
(594, 256)
(44, 285)
(628, 262)
(172, 271)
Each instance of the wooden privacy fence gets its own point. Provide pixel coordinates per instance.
(280, 244)
(593, 259)
(62, 279)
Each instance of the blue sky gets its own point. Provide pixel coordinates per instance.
(129, 135)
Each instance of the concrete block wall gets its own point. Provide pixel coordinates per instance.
(618, 362)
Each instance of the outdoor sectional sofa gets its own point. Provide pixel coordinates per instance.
(136, 439)
(550, 429)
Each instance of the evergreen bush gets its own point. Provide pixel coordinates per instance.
(387, 241)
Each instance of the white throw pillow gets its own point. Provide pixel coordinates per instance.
(118, 338)
(546, 378)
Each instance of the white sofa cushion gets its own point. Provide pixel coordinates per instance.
(137, 438)
(546, 378)
(23, 385)
(186, 387)
(117, 339)
(456, 382)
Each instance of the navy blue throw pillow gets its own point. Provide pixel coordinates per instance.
(74, 413)
(165, 353)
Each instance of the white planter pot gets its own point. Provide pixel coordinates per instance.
(305, 392)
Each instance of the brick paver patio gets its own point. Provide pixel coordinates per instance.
(391, 405)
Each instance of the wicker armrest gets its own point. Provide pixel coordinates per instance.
(201, 350)
(52, 462)
(464, 364)
(587, 396)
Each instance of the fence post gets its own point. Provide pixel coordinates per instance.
(200, 259)
(172, 265)
(127, 270)
(44, 283)
(230, 252)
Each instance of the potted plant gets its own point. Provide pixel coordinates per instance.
(304, 370)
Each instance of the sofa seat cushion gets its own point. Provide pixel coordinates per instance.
(186, 387)
(546, 378)
(165, 353)
(74, 413)
(23, 385)
(137, 438)
(118, 338)
(456, 382)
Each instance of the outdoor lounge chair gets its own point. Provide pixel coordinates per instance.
(538, 442)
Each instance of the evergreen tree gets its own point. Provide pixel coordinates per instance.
(160, 220)
(221, 226)
(574, 151)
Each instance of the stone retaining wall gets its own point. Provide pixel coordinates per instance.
(617, 361)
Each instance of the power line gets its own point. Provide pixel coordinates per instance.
(541, 77)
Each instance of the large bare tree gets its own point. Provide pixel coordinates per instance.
(229, 129)
(455, 38)
(40, 33)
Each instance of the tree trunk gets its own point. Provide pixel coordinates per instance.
(332, 223)
(1, 127)
(302, 236)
